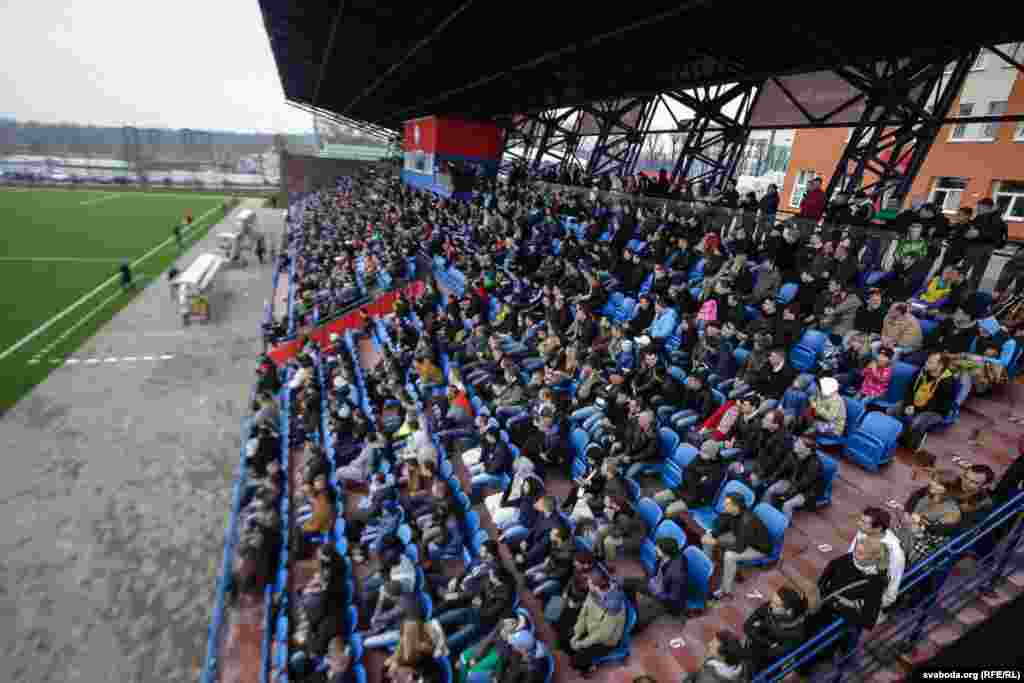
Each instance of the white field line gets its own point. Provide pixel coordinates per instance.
(113, 278)
(99, 199)
(81, 322)
(57, 259)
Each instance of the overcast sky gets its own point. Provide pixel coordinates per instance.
(203, 64)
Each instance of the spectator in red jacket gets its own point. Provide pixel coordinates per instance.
(813, 204)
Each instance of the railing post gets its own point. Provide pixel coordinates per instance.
(941, 573)
(1012, 542)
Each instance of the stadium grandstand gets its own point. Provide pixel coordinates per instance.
(535, 409)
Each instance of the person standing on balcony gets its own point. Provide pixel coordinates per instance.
(986, 233)
(813, 204)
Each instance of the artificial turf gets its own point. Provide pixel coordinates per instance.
(57, 246)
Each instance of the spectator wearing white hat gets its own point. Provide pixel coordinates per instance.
(828, 409)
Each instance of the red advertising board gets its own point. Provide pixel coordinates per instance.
(473, 139)
(421, 135)
(282, 353)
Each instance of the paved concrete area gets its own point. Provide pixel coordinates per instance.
(116, 484)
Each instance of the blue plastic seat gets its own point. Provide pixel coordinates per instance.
(776, 523)
(902, 375)
(787, 293)
(698, 578)
(872, 444)
(666, 529)
(706, 516)
(854, 414)
(802, 358)
(830, 469)
(579, 440)
(651, 513)
(684, 455)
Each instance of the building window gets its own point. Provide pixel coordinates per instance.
(979, 63)
(1009, 196)
(1014, 51)
(800, 187)
(947, 193)
(991, 130)
(1019, 135)
(960, 129)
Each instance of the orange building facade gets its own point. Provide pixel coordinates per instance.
(967, 161)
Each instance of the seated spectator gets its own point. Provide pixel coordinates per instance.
(700, 483)
(991, 352)
(642, 448)
(600, 625)
(876, 376)
(800, 480)
(531, 543)
(776, 628)
(769, 451)
(931, 516)
(478, 664)
(839, 314)
(319, 615)
(461, 589)
(901, 331)
(929, 399)
(664, 592)
(414, 658)
(773, 381)
(828, 410)
(874, 526)
(622, 532)
(485, 610)
(322, 515)
(955, 335)
(394, 605)
(975, 496)
(516, 506)
(589, 490)
(556, 566)
(737, 534)
(869, 319)
(723, 663)
(441, 536)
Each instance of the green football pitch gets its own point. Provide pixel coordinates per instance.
(60, 251)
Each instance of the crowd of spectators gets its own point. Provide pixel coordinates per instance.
(564, 338)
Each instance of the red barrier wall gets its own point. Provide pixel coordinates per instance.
(283, 353)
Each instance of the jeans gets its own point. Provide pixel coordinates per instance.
(634, 470)
(382, 640)
(484, 480)
(468, 617)
(730, 559)
(919, 423)
(506, 518)
(583, 414)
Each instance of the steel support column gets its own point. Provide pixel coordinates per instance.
(717, 133)
(619, 138)
(913, 98)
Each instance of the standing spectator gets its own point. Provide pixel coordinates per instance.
(987, 232)
(813, 204)
(874, 526)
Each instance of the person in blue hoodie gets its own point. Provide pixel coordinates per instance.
(664, 324)
(664, 591)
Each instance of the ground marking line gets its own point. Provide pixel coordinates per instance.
(81, 322)
(72, 361)
(130, 359)
(113, 278)
(99, 199)
(111, 360)
(147, 358)
(59, 259)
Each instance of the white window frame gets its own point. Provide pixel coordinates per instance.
(1014, 52)
(800, 183)
(979, 63)
(945, 204)
(962, 128)
(1016, 197)
(991, 130)
(1019, 135)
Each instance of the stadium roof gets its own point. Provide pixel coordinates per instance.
(384, 62)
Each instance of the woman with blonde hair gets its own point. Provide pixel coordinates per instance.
(414, 656)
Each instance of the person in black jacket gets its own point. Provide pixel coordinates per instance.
(776, 628)
(987, 232)
(851, 587)
(776, 377)
(738, 534)
(696, 404)
(869, 318)
(800, 480)
(699, 485)
(928, 400)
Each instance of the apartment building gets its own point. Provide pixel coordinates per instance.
(967, 161)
